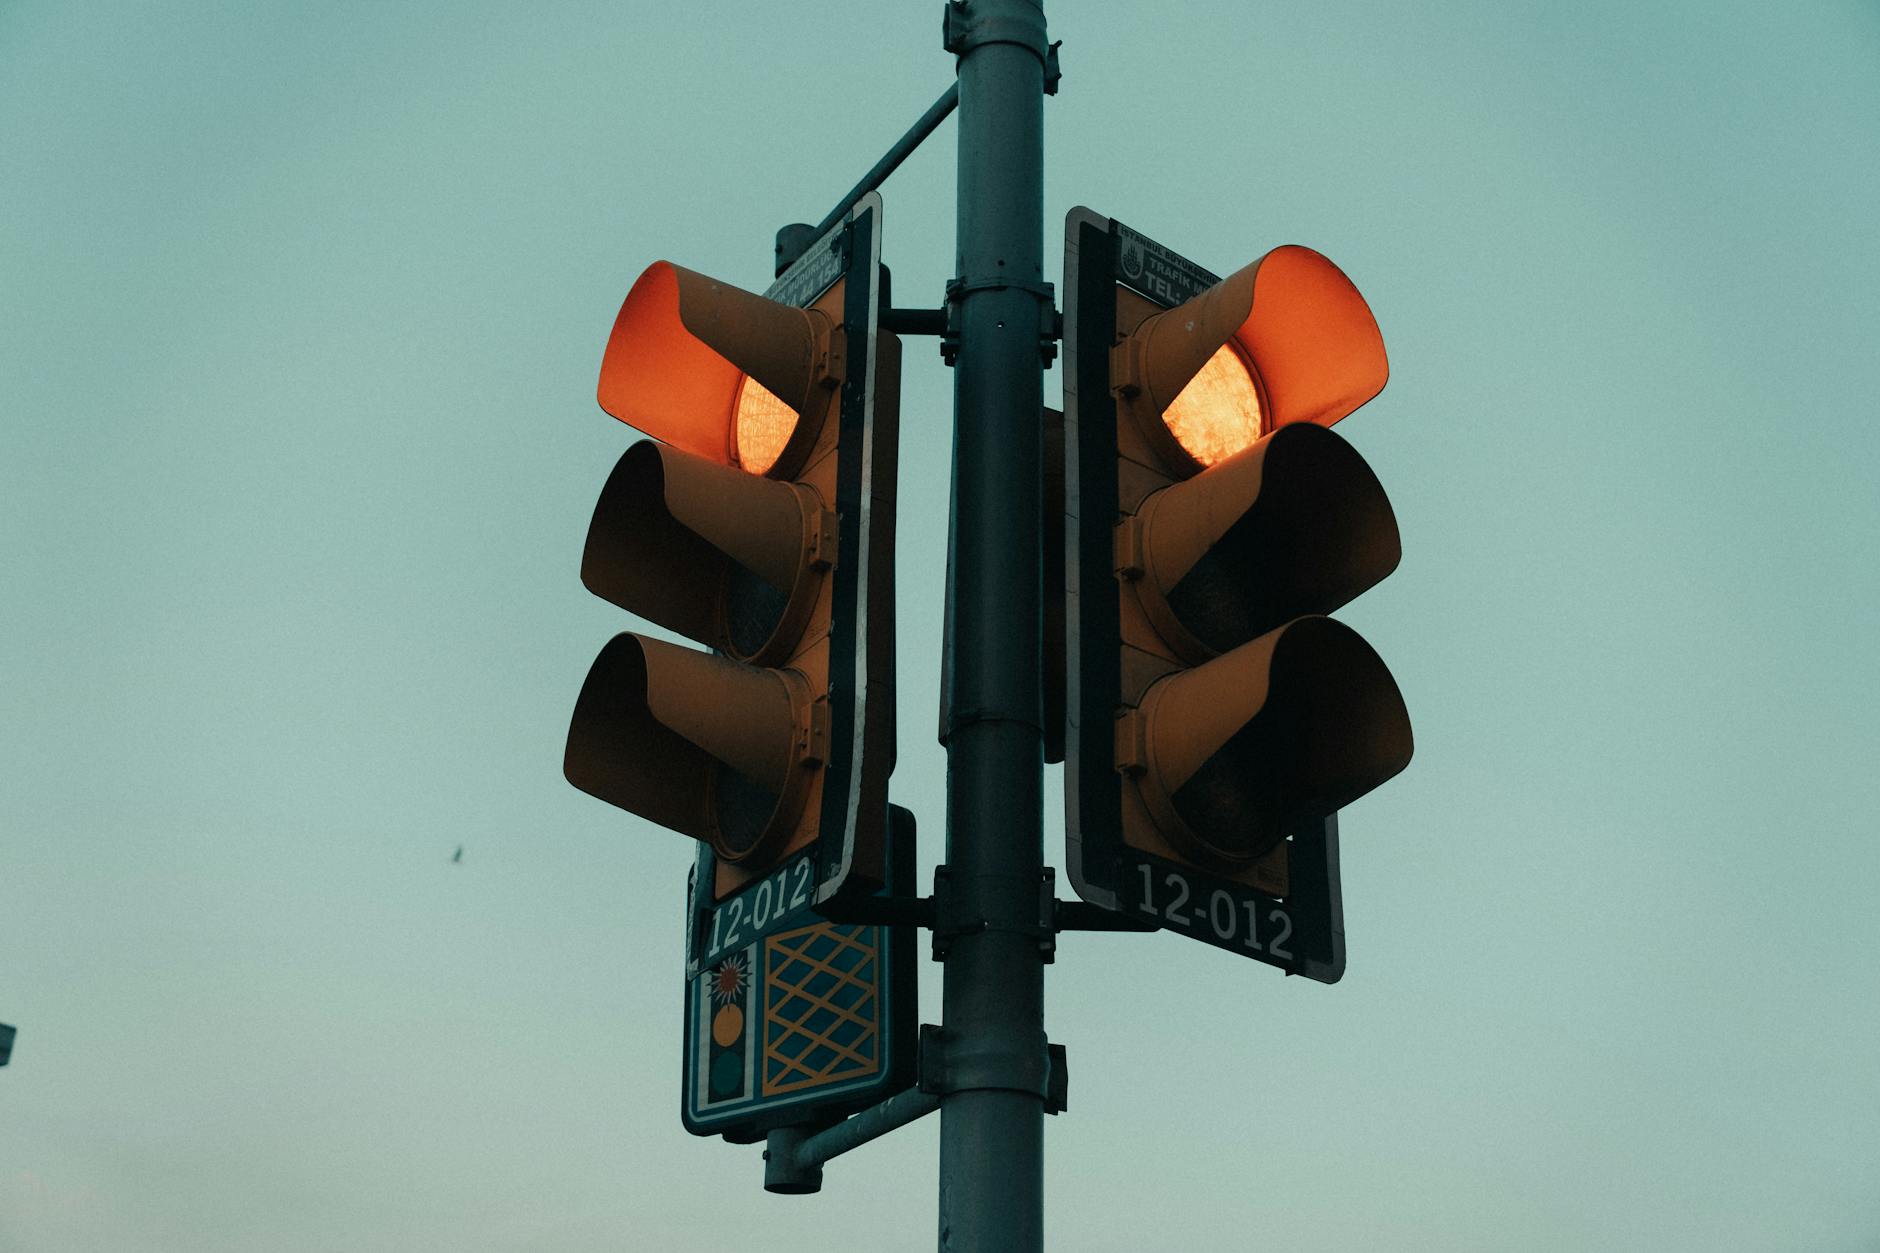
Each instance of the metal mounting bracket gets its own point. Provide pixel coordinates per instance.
(965, 28)
(880, 911)
(947, 1065)
(950, 920)
(1050, 320)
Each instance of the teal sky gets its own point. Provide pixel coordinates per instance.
(301, 309)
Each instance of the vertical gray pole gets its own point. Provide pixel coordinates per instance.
(992, 1116)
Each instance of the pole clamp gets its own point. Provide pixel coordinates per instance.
(1050, 321)
(948, 1064)
(969, 25)
(1050, 332)
(879, 911)
(951, 920)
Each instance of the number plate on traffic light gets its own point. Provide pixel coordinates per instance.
(1302, 933)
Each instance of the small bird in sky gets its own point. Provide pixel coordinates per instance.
(456, 858)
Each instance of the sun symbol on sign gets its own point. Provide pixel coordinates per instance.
(727, 990)
(728, 980)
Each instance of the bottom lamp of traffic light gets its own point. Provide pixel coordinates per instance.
(1227, 757)
(722, 752)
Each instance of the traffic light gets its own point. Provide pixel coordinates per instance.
(758, 521)
(1217, 720)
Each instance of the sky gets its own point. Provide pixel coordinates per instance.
(301, 310)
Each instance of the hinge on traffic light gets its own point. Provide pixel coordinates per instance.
(1132, 743)
(1126, 559)
(812, 733)
(832, 360)
(820, 538)
(1126, 367)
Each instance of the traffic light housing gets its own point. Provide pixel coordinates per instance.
(1216, 719)
(758, 521)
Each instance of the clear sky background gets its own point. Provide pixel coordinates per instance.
(301, 309)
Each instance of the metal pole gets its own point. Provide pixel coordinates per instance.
(992, 1112)
(794, 1157)
(936, 113)
(793, 239)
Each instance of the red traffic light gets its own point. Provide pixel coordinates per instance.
(719, 372)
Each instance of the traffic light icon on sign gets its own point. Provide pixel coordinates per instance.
(759, 522)
(1217, 718)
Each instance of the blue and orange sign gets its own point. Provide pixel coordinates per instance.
(790, 1018)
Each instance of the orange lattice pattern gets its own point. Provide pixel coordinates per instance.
(822, 1007)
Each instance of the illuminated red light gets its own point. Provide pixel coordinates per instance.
(761, 426)
(1218, 412)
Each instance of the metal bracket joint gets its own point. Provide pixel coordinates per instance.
(967, 27)
(1050, 320)
(950, 920)
(948, 1066)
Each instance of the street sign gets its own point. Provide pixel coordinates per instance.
(791, 1019)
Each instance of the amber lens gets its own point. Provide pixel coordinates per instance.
(1218, 413)
(761, 426)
